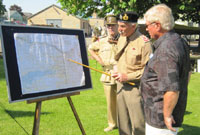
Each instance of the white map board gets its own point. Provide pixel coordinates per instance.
(43, 61)
(37, 65)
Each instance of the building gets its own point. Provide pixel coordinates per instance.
(54, 15)
(13, 15)
(95, 21)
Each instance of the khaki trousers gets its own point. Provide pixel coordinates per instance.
(130, 110)
(110, 92)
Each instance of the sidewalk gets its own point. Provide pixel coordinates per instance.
(88, 41)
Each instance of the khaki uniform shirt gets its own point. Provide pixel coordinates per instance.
(107, 53)
(133, 58)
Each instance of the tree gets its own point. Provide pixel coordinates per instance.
(182, 9)
(16, 8)
(2, 8)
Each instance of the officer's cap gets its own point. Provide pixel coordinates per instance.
(111, 19)
(128, 16)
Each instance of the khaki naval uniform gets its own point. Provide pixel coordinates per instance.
(132, 55)
(107, 52)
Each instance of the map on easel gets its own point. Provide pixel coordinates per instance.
(43, 62)
(36, 61)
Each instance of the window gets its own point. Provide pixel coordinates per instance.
(54, 22)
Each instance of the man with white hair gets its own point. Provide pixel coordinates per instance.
(165, 79)
(132, 55)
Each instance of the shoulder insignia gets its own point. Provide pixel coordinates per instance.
(146, 39)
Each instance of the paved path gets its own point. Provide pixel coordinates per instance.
(88, 41)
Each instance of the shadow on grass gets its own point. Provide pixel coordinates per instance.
(2, 73)
(16, 114)
(187, 113)
(189, 130)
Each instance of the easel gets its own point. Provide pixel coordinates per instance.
(38, 111)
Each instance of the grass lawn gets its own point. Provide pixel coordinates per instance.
(57, 117)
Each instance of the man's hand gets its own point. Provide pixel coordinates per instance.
(120, 77)
(170, 100)
(168, 122)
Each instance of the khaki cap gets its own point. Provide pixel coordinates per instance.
(111, 19)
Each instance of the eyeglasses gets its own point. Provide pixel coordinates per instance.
(150, 24)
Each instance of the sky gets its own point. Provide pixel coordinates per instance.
(31, 6)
